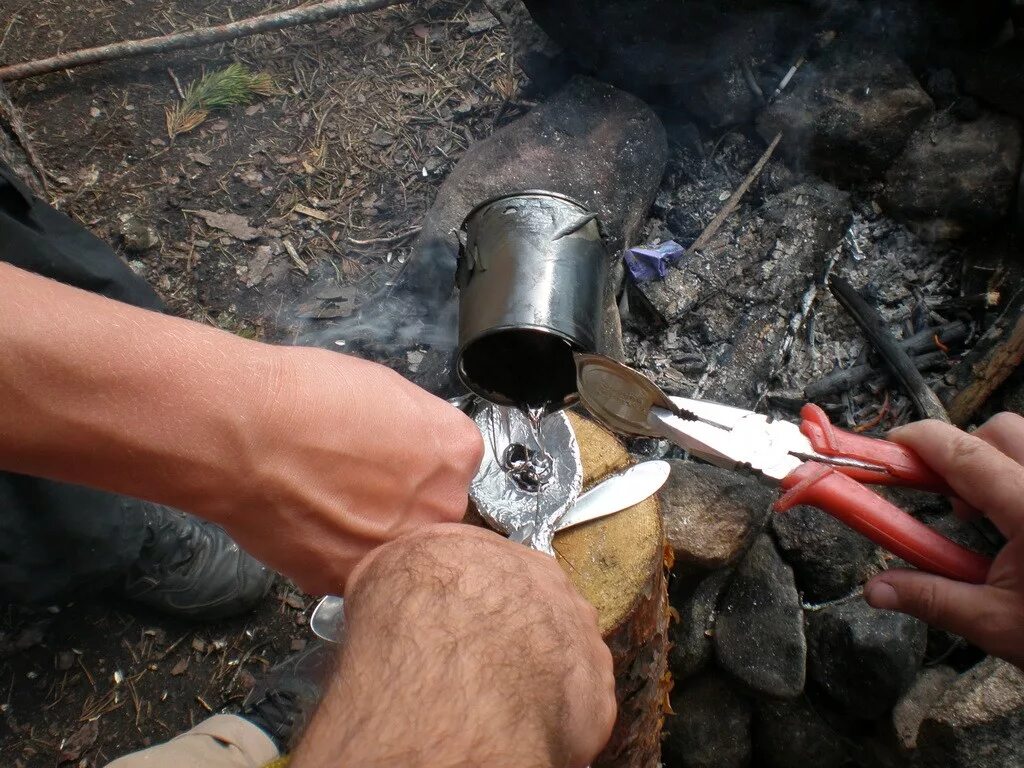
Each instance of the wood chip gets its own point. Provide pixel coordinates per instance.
(481, 21)
(258, 265)
(380, 138)
(180, 667)
(313, 213)
(296, 602)
(235, 225)
(73, 747)
(294, 255)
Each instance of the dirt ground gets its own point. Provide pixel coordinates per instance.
(331, 175)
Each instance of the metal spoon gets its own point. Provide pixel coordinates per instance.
(616, 493)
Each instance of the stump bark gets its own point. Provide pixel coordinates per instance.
(618, 563)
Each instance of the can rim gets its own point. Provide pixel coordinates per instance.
(575, 348)
(523, 193)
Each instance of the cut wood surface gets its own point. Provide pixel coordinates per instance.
(618, 563)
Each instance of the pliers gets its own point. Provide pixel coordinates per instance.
(814, 462)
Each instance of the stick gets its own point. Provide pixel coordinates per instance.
(734, 198)
(867, 317)
(920, 346)
(989, 373)
(10, 116)
(848, 378)
(307, 14)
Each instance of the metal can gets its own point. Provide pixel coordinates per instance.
(532, 272)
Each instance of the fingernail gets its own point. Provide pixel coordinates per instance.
(881, 595)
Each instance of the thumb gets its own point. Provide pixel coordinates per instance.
(955, 606)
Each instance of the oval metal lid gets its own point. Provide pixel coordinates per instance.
(618, 396)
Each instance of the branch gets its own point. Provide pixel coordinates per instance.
(874, 327)
(734, 199)
(988, 373)
(307, 14)
(919, 347)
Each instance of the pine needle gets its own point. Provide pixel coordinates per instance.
(227, 87)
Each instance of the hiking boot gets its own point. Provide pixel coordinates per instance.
(191, 568)
(282, 702)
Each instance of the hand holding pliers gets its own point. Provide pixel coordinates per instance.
(814, 462)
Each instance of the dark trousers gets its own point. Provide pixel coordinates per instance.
(57, 539)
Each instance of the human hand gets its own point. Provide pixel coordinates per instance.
(342, 456)
(463, 648)
(985, 470)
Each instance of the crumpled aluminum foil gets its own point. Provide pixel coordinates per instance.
(527, 516)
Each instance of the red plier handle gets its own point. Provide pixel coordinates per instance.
(899, 464)
(838, 490)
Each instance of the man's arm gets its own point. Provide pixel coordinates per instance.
(309, 458)
(463, 650)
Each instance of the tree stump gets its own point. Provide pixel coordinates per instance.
(618, 563)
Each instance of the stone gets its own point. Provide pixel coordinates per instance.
(648, 45)
(691, 636)
(781, 246)
(828, 559)
(864, 659)
(710, 727)
(711, 514)
(955, 177)
(848, 115)
(978, 722)
(912, 707)
(722, 98)
(138, 236)
(792, 734)
(995, 76)
(759, 632)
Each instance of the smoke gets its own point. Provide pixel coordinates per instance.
(410, 325)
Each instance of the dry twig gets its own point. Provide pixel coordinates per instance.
(307, 14)
(735, 197)
(873, 325)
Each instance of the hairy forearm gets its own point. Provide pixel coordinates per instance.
(100, 393)
(436, 672)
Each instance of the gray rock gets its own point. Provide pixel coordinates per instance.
(711, 727)
(759, 632)
(912, 707)
(723, 98)
(956, 177)
(849, 114)
(979, 721)
(691, 636)
(863, 658)
(780, 246)
(792, 734)
(138, 236)
(647, 45)
(996, 76)
(711, 514)
(829, 559)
